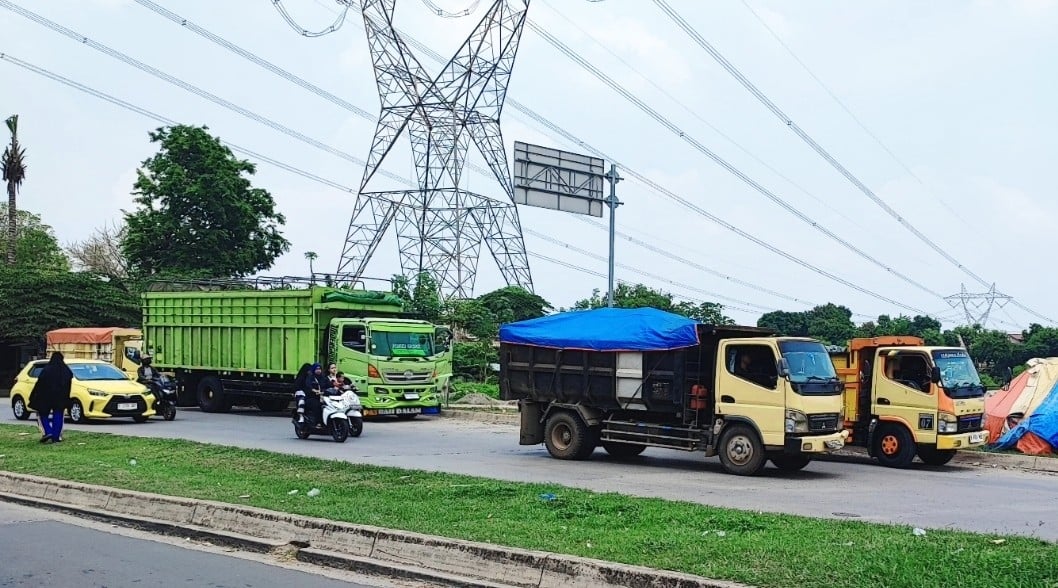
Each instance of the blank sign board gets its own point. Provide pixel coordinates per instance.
(558, 180)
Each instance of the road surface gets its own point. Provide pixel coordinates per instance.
(42, 548)
(956, 497)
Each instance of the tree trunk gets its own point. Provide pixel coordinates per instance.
(12, 228)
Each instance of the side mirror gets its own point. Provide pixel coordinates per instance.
(783, 367)
(934, 375)
(1010, 375)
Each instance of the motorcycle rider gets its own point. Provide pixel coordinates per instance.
(146, 372)
(313, 384)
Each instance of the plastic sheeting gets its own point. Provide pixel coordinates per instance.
(1042, 422)
(605, 329)
(87, 335)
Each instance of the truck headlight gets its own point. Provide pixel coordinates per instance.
(796, 422)
(947, 423)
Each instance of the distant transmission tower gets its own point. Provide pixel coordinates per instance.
(440, 227)
(977, 306)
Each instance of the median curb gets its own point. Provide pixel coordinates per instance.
(343, 545)
(970, 458)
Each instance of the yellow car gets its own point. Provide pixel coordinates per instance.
(98, 391)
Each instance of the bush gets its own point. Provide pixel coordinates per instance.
(461, 389)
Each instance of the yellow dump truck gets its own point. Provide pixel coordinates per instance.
(903, 398)
(119, 346)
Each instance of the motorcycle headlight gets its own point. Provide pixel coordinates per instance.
(796, 422)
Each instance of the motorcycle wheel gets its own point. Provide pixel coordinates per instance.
(339, 430)
(356, 426)
(302, 430)
(169, 412)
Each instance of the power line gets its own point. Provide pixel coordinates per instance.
(539, 120)
(296, 170)
(782, 116)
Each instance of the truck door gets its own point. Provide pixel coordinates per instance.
(903, 392)
(748, 385)
(350, 351)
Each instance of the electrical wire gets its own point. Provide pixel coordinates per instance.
(337, 24)
(539, 119)
(815, 146)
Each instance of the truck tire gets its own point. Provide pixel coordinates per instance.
(930, 455)
(790, 463)
(623, 450)
(566, 436)
(211, 397)
(741, 451)
(893, 446)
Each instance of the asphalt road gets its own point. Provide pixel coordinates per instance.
(43, 548)
(957, 497)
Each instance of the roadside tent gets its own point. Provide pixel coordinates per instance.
(1025, 415)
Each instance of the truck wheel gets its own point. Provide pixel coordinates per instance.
(930, 455)
(790, 463)
(567, 437)
(211, 397)
(741, 451)
(893, 446)
(622, 450)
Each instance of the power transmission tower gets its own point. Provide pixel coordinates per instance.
(977, 306)
(440, 226)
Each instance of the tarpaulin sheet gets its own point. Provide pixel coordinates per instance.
(1043, 422)
(90, 335)
(605, 329)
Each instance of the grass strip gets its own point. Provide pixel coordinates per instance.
(766, 550)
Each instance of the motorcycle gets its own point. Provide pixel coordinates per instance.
(164, 391)
(342, 416)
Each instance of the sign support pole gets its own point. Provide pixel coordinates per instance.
(613, 202)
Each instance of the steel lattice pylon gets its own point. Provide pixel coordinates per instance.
(978, 306)
(440, 227)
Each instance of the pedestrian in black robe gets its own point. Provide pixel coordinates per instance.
(50, 397)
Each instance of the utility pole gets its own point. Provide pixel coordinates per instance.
(613, 202)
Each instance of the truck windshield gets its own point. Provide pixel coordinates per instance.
(393, 344)
(811, 369)
(958, 376)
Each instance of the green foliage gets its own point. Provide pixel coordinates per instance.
(36, 246)
(37, 302)
(512, 304)
(474, 318)
(642, 296)
(461, 389)
(471, 359)
(423, 299)
(198, 215)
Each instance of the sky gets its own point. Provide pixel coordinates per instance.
(955, 98)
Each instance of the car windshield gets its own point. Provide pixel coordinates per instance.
(392, 344)
(96, 371)
(958, 376)
(808, 361)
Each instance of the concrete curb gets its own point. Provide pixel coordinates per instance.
(343, 545)
(983, 459)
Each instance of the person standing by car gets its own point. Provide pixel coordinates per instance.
(51, 396)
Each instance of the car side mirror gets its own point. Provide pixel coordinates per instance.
(934, 375)
(783, 367)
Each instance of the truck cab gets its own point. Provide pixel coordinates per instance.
(903, 398)
(400, 366)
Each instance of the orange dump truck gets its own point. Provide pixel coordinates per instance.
(116, 345)
(903, 398)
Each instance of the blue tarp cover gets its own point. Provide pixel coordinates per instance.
(1043, 422)
(605, 329)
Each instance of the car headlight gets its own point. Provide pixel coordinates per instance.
(796, 422)
(97, 393)
(947, 423)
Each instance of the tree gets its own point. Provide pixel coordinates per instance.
(642, 296)
(198, 215)
(35, 247)
(423, 299)
(710, 313)
(101, 253)
(514, 303)
(13, 166)
(311, 256)
(36, 302)
(787, 324)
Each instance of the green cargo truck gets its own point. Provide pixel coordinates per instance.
(228, 347)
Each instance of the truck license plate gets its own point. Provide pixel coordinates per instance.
(380, 411)
(127, 406)
(411, 396)
(977, 437)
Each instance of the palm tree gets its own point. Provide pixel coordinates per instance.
(13, 164)
(311, 256)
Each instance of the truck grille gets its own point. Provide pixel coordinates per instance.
(827, 421)
(407, 377)
(969, 423)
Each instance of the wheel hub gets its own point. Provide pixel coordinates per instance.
(740, 450)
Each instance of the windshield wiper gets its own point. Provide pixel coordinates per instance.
(814, 378)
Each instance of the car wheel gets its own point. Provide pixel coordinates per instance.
(18, 406)
(77, 413)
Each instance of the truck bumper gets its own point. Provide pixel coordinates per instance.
(962, 440)
(397, 401)
(816, 443)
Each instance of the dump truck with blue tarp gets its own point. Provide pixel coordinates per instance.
(628, 379)
(242, 346)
